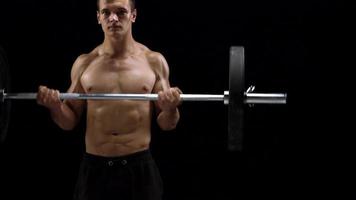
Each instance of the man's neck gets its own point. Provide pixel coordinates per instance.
(118, 47)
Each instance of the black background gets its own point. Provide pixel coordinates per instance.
(300, 150)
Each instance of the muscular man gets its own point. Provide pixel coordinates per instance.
(117, 163)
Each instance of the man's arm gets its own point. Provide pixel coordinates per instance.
(168, 98)
(65, 114)
(168, 118)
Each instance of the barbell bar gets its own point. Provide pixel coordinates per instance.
(235, 98)
(250, 97)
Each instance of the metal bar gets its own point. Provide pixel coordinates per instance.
(102, 96)
(265, 98)
(250, 98)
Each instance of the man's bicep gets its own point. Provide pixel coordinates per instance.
(162, 73)
(157, 88)
(162, 84)
(78, 68)
(161, 69)
(77, 106)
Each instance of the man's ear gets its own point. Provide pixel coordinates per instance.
(134, 15)
(98, 16)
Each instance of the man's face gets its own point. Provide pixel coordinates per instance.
(116, 16)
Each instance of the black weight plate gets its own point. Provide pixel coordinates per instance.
(4, 105)
(236, 98)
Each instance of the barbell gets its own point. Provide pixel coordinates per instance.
(235, 98)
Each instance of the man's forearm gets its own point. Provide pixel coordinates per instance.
(64, 117)
(168, 120)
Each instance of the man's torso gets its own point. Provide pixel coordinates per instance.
(118, 127)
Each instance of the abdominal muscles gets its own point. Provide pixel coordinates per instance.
(118, 127)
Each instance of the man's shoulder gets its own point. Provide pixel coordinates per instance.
(157, 62)
(86, 58)
(152, 56)
(83, 61)
(155, 58)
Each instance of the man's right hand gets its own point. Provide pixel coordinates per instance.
(48, 98)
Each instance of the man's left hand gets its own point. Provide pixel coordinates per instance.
(169, 100)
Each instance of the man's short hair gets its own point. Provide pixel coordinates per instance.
(132, 4)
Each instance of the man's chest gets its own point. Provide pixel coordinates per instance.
(118, 76)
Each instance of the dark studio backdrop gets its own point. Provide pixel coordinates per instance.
(290, 151)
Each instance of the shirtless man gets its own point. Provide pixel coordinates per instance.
(117, 163)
